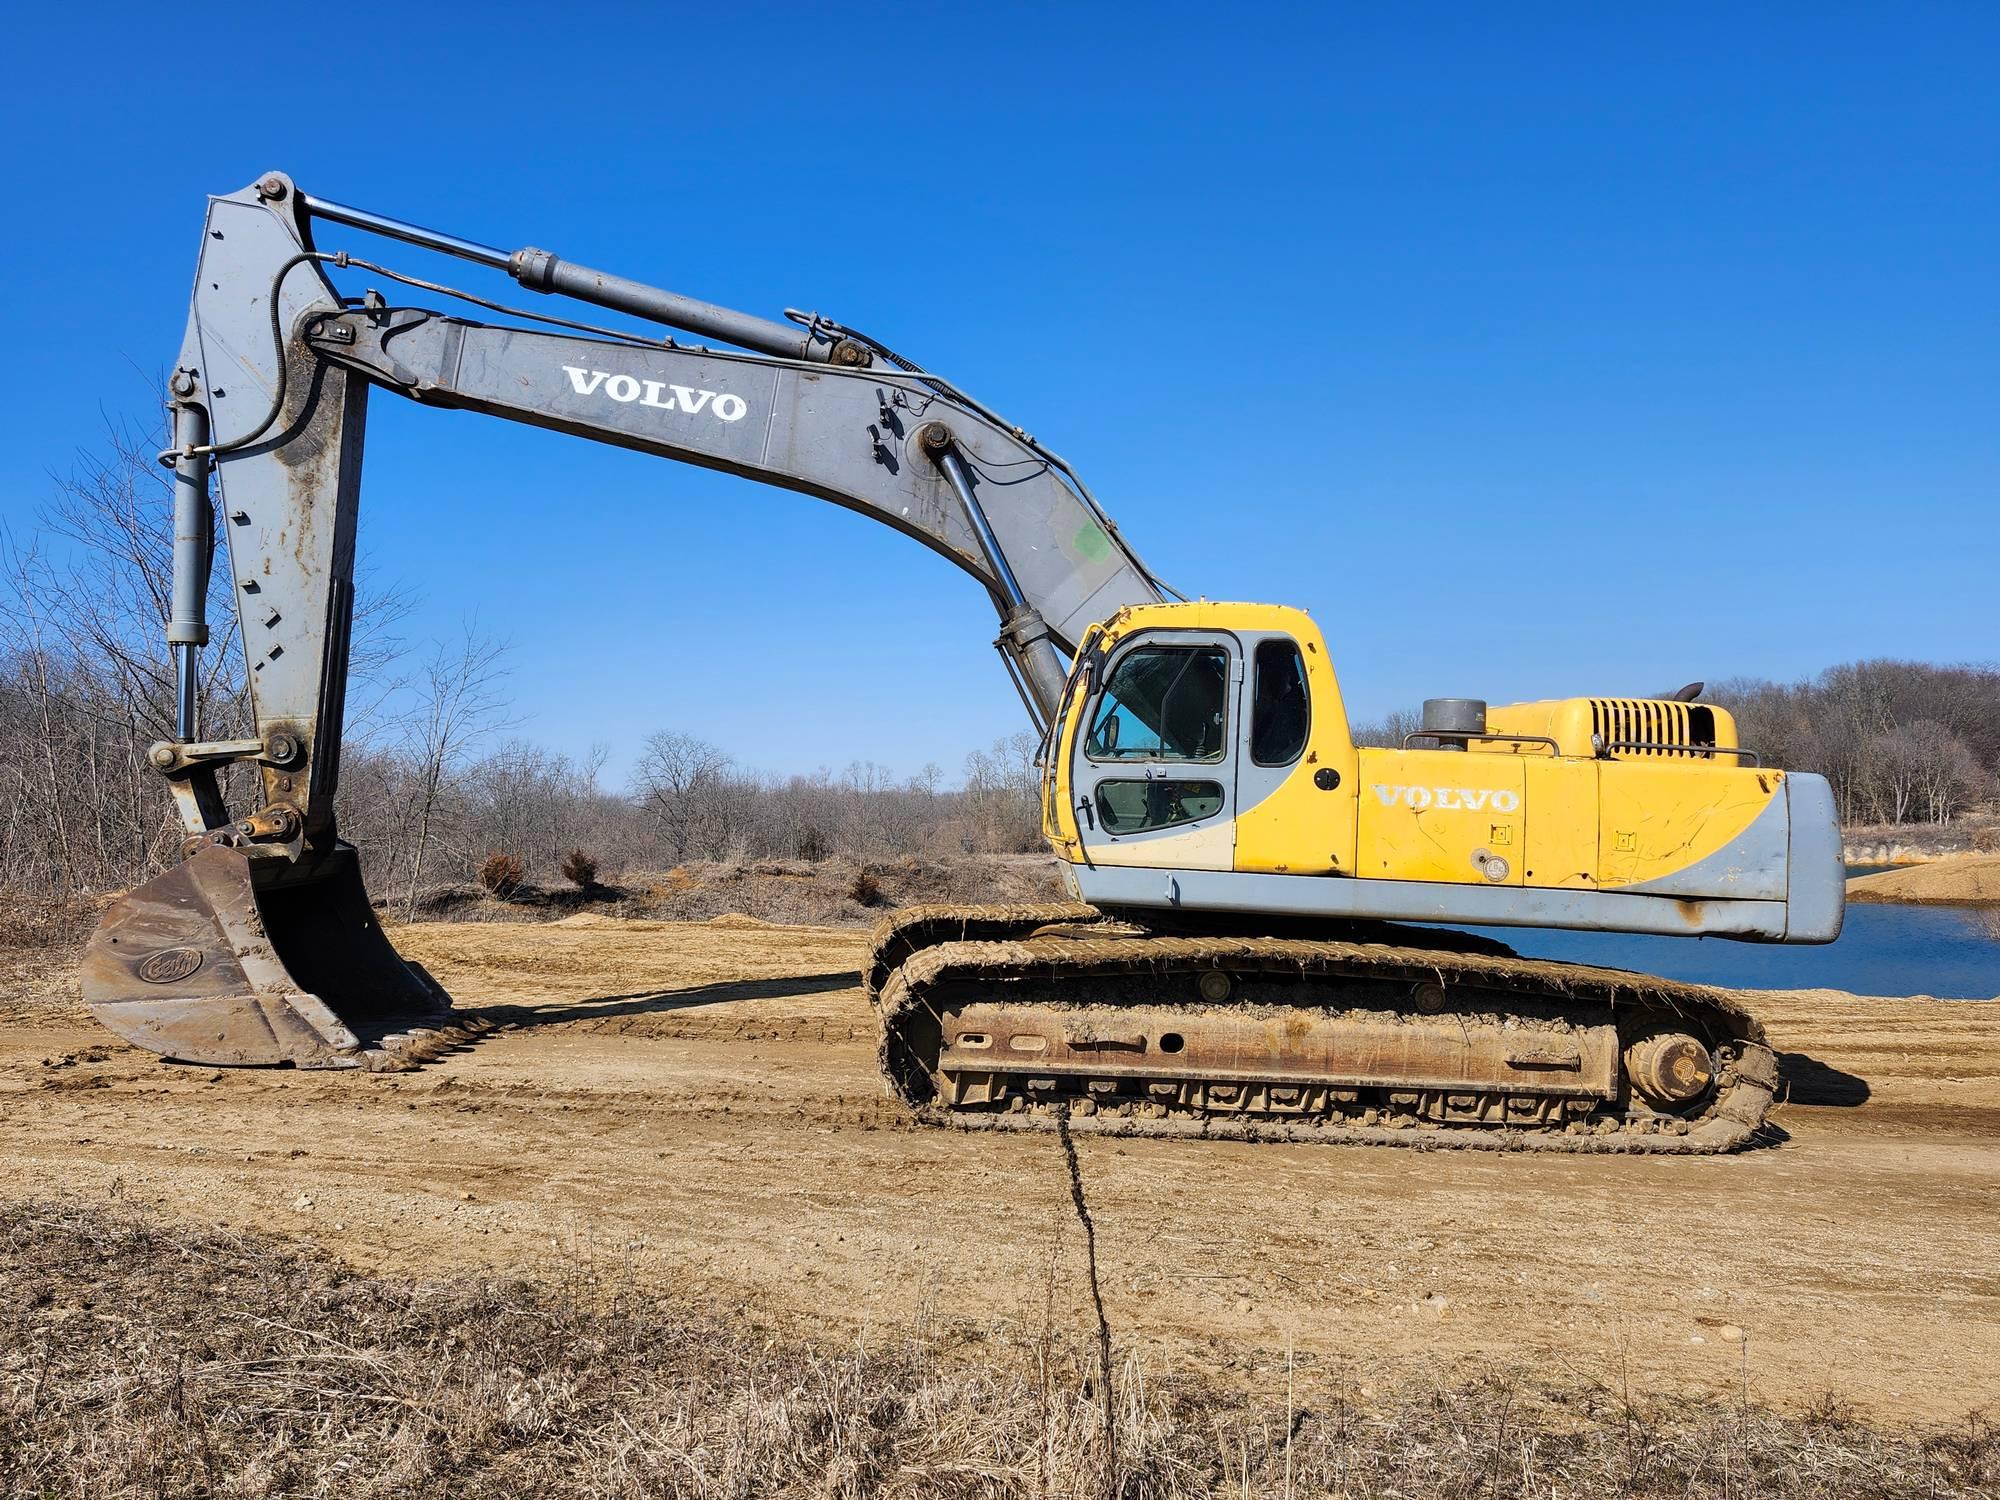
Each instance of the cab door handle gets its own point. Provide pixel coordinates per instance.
(1084, 810)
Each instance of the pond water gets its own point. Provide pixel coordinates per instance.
(1952, 952)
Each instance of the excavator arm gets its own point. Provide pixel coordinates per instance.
(261, 946)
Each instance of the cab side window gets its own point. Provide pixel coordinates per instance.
(1280, 709)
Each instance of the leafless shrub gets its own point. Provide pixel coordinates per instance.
(580, 870)
(864, 889)
(502, 874)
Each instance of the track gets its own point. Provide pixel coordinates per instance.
(1457, 1043)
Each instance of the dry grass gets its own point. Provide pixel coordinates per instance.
(834, 892)
(142, 1360)
(47, 921)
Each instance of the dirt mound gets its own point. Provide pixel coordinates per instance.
(837, 892)
(1969, 880)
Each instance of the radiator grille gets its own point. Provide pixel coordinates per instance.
(1625, 723)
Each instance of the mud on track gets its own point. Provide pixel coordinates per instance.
(698, 1103)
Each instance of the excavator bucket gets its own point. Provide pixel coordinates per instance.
(233, 962)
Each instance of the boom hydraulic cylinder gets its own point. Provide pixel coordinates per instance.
(541, 271)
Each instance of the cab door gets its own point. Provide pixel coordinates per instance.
(1153, 771)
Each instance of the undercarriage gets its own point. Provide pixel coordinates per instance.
(1013, 1017)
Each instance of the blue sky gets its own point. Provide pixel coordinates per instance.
(1535, 349)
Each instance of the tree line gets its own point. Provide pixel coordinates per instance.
(434, 779)
(1901, 741)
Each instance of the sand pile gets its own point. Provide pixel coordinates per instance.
(1968, 880)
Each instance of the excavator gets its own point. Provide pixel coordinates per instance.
(1262, 938)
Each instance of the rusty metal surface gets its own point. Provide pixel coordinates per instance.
(230, 961)
(1512, 1054)
(1266, 1044)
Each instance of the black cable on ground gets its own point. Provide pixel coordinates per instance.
(1110, 1487)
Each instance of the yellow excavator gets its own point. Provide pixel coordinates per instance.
(1260, 942)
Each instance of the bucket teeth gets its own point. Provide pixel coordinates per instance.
(403, 1052)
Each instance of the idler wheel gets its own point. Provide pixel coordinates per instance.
(1669, 1070)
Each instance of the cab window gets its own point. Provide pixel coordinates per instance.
(1280, 711)
(1163, 703)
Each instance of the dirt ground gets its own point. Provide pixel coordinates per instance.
(696, 1103)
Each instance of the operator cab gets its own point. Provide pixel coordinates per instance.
(1192, 715)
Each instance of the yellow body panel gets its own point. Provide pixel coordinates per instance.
(1657, 817)
(1299, 829)
(1562, 822)
(1575, 724)
(1439, 815)
(1501, 813)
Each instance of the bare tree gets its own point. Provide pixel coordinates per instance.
(1898, 740)
(1389, 731)
(84, 681)
(535, 803)
(682, 784)
(1003, 795)
(459, 704)
(1944, 774)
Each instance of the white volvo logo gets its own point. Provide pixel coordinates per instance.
(653, 393)
(1457, 798)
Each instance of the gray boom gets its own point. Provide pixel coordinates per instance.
(271, 386)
